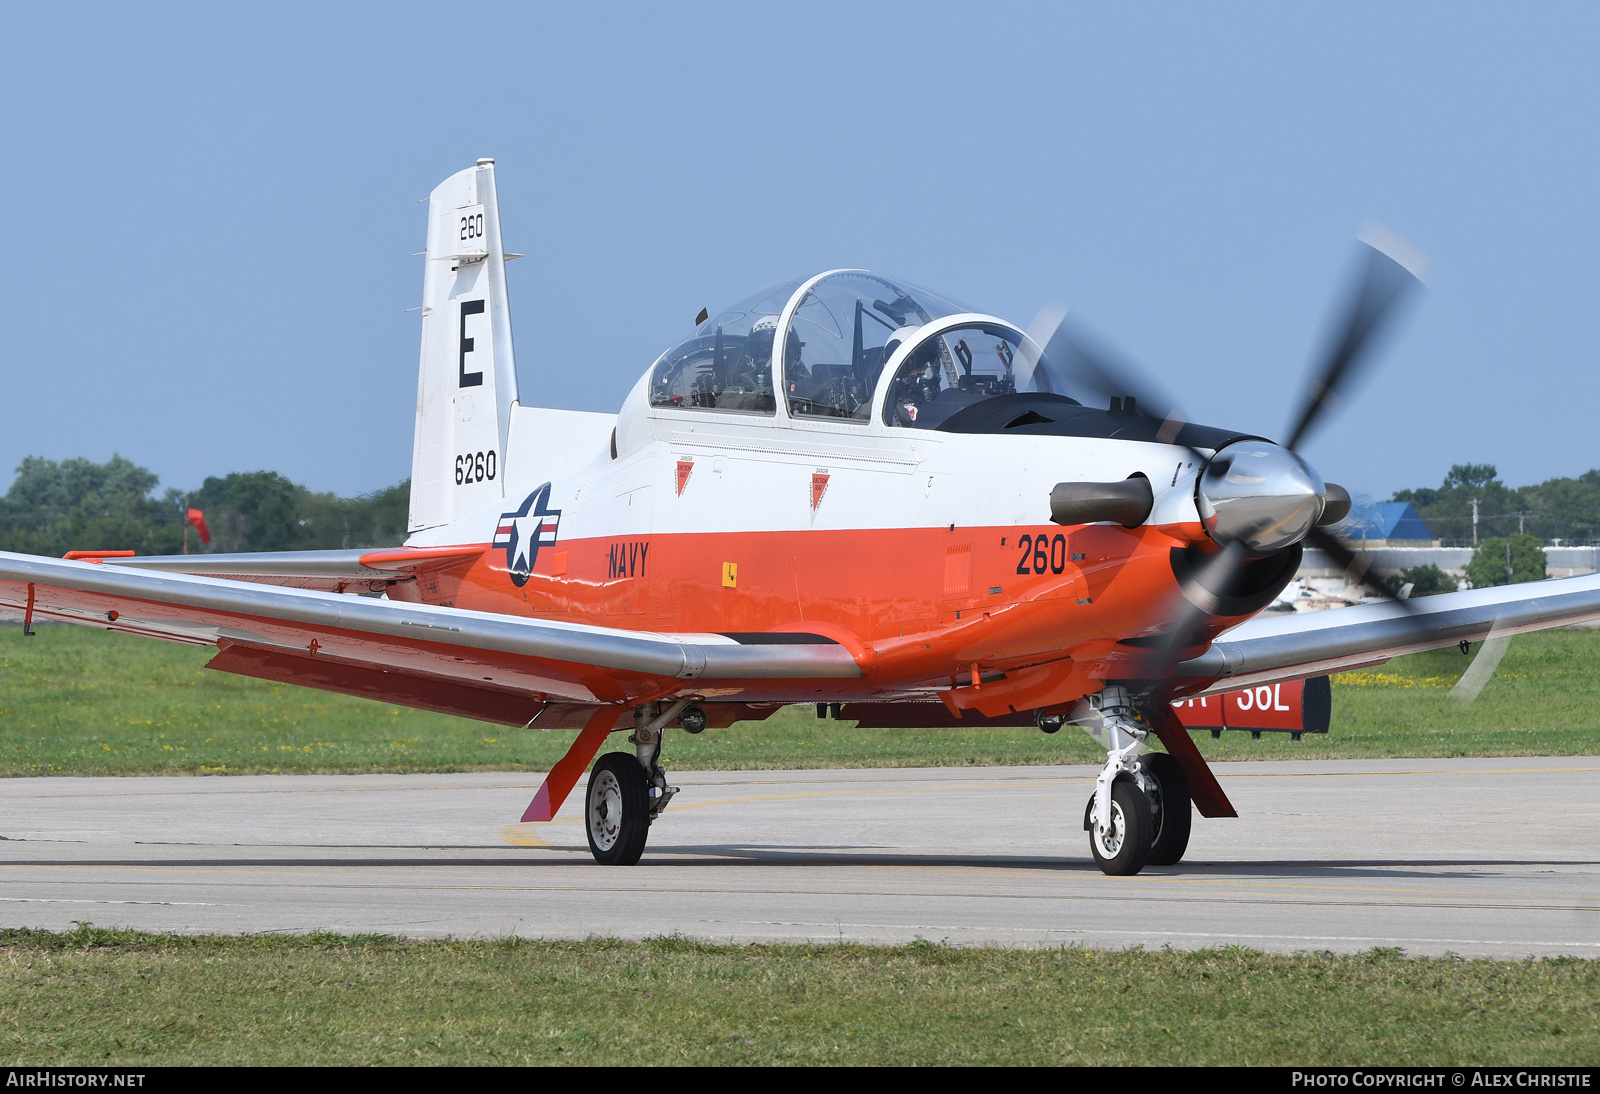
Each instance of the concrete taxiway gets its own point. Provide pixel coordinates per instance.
(1494, 857)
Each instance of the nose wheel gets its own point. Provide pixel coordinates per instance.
(617, 810)
(1121, 844)
(1140, 811)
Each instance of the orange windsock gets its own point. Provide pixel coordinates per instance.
(198, 519)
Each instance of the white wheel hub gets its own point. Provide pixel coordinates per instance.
(1109, 838)
(605, 810)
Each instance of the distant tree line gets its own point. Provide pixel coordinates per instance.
(1500, 560)
(76, 504)
(1564, 509)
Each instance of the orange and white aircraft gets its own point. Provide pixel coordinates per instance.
(842, 490)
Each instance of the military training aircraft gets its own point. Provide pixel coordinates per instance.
(843, 490)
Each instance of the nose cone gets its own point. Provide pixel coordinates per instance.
(1259, 495)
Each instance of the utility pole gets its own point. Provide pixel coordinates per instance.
(1521, 517)
(1508, 562)
(1474, 522)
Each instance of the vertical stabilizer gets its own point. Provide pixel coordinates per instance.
(468, 380)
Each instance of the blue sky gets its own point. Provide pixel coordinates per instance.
(212, 208)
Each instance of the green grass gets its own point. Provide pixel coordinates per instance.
(85, 702)
(112, 997)
(1543, 700)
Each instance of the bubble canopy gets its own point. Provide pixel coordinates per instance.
(839, 330)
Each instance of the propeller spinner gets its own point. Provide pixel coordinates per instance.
(1259, 495)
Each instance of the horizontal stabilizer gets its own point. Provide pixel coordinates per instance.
(353, 571)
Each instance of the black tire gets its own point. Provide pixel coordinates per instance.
(617, 809)
(1173, 815)
(1126, 851)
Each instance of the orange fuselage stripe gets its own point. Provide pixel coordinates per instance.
(915, 605)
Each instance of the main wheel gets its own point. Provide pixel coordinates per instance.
(617, 807)
(1173, 815)
(1124, 848)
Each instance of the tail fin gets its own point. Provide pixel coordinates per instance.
(468, 380)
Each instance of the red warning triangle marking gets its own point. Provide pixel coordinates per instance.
(819, 485)
(684, 467)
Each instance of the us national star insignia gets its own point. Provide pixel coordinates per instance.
(523, 532)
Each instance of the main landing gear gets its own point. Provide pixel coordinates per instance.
(627, 793)
(1140, 811)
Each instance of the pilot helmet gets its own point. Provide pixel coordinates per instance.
(762, 332)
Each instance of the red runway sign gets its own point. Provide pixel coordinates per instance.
(1300, 706)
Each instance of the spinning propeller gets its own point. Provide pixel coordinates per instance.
(1256, 498)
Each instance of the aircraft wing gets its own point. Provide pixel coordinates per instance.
(497, 668)
(1271, 648)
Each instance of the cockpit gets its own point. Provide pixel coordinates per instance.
(820, 348)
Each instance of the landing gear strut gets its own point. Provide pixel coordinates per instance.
(627, 793)
(1140, 810)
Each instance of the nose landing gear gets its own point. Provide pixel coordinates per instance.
(1140, 812)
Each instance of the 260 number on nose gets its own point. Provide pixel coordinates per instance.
(1042, 553)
